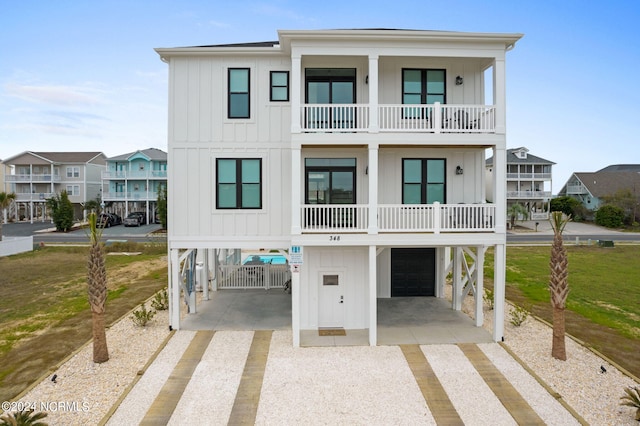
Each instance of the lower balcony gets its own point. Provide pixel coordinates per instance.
(129, 196)
(397, 218)
(38, 196)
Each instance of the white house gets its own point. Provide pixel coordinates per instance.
(362, 152)
(529, 182)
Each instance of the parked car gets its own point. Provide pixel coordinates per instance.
(107, 220)
(135, 219)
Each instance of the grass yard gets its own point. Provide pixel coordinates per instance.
(603, 307)
(44, 310)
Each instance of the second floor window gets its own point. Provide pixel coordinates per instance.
(238, 105)
(73, 172)
(73, 190)
(239, 183)
(423, 180)
(279, 86)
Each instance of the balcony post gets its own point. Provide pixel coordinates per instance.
(374, 126)
(295, 191)
(499, 96)
(437, 214)
(373, 189)
(437, 117)
(296, 70)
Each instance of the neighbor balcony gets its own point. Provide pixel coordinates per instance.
(130, 196)
(38, 196)
(426, 118)
(27, 178)
(398, 218)
(528, 194)
(143, 174)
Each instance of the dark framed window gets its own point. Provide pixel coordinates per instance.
(423, 180)
(238, 92)
(279, 86)
(239, 183)
(422, 86)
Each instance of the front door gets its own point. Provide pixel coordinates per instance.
(331, 300)
(413, 272)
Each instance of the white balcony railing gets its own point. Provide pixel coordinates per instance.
(529, 176)
(431, 118)
(38, 196)
(434, 218)
(528, 194)
(576, 189)
(32, 178)
(144, 174)
(130, 196)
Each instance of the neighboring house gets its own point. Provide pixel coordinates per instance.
(590, 187)
(362, 152)
(529, 182)
(131, 182)
(38, 176)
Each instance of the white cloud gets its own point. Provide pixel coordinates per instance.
(55, 95)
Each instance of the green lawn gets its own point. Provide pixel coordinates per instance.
(604, 299)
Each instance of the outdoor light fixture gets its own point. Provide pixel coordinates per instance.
(366, 80)
(459, 81)
(459, 170)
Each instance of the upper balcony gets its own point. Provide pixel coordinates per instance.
(134, 175)
(529, 194)
(429, 118)
(528, 176)
(28, 178)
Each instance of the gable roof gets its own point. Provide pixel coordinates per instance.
(512, 158)
(621, 168)
(61, 157)
(608, 183)
(153, 154)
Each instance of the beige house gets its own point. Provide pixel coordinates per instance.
(37, 176)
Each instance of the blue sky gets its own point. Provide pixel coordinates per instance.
(83, 75)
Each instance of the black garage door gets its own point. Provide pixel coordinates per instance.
(413, 272)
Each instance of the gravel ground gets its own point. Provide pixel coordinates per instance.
(343, 385)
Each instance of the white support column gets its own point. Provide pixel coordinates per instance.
(174, 289)
(456, 291)
(374, 126)
(440, 271)
(205, 278)
(373, 297)
(296, 177)
(499, 94)
(373, 188)
(479, 286)
(296, 88)
(500, 188)
(498, 291)
(295, 307)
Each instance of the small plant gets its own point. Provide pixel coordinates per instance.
(23, 418)
(160, 301)
(519, 315)
(142, 316)
(488, 297)
(632, 399)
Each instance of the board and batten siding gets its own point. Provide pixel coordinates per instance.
(200, 132)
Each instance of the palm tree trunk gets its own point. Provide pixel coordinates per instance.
(558, 349)
(100, 351)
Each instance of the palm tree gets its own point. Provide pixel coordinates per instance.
(514, 211)
(97, 289)
(5, 202)
(558, 284)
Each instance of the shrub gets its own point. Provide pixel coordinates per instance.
(519, 315)
(160, 301)
(610, 216)
(23, 417)
(142, 316)
(567, 205)
(632, 399)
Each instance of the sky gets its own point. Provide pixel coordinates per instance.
(83, 75)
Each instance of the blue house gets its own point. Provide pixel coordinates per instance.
(132, 181)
